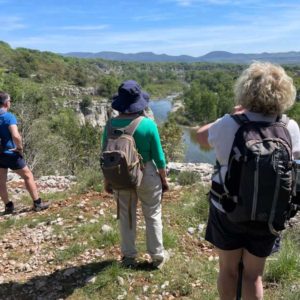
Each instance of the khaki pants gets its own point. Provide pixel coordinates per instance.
(149, 193)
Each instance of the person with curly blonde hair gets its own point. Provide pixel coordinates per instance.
(262, 93)
(265, 88)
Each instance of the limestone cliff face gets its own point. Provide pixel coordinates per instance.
(74, 91)
(96, 112)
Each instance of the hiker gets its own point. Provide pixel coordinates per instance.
(262, 93)
(130, 102)
(11, 156)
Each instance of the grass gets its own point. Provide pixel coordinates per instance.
(70, 252)
(285, 266)
(188, 178)
(189, 274)
(88, 179)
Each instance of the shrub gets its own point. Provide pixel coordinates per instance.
(188, 178)
(85, 102)
(89, 179)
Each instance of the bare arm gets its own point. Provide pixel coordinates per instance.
(202, 136)
(163, 177)
(13, 129)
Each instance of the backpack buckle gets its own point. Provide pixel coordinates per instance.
(228, 202)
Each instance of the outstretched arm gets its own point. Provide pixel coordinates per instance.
(202, 136)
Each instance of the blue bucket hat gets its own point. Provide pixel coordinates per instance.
(130, 98)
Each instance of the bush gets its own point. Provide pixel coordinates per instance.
(89, 179)
(171, 134)
(188, 178)
(85, 103)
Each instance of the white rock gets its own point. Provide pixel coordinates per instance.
(106, 228)
(191, 230)
(165, 284)
(91, 279)
(80, 218)
(120, 280)
(201, 227)
(145, 288)
(93, 221)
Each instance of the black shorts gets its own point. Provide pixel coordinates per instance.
(226, 235)
(13, 162)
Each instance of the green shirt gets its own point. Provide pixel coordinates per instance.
(147, 140)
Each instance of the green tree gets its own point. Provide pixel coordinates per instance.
(171, 135)
(107, 86)
(201, 104)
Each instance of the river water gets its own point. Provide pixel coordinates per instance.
(193, 152)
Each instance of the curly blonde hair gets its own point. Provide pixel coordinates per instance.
(265, 88)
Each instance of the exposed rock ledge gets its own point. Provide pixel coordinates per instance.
(204, 169)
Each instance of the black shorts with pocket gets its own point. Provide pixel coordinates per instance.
(226, 235)
(13, 162)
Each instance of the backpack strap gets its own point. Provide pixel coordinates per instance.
(130, 129)
(109, 129)
(284, 119)
(240, 119)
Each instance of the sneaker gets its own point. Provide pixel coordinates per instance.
(159, 263)
(38, 205)
(128, 262)
(276, 246)
(9, 208)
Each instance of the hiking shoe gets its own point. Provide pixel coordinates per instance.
(128, 262)
(276, 246)
(159, 263)
(38, 205)
(9, 208)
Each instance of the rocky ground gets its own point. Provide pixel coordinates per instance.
(30, 245)
(50, 254)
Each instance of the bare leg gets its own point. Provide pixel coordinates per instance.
(252, 287)
(26, 174)
(3, 187)
(228, 274)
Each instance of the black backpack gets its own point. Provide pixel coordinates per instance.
(258, 185)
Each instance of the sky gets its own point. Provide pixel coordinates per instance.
(174, 27)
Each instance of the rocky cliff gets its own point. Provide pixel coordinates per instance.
(95, 111)
(96, 114)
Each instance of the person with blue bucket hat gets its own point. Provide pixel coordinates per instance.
(131, 102)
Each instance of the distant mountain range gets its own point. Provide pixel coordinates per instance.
(292, 57)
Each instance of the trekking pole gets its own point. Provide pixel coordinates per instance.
(240, 280)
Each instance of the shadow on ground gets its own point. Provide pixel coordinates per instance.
(59, 284)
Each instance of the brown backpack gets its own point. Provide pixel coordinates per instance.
(120, 161)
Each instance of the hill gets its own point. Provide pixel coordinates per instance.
(292, 57)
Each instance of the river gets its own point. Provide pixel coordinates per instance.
(192, 153)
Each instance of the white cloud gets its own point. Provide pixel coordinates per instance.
(84, 27)
(272, 32)
(10, 23)
(188, 3)
(184, 2)
(151, 17)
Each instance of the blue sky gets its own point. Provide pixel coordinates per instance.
(192, 27)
